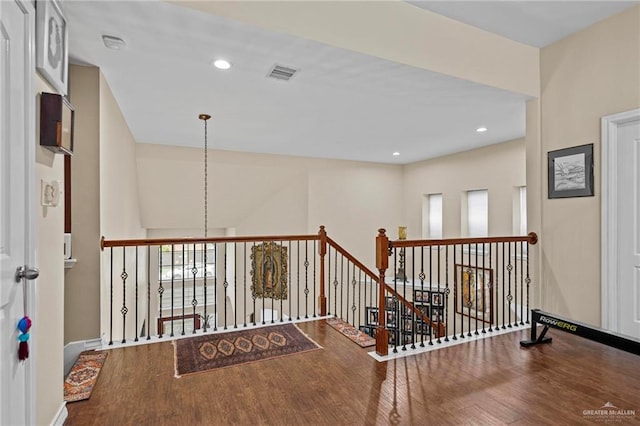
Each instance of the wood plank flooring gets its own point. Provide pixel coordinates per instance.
(486, 382)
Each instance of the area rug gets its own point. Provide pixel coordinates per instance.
(204, 353)
(357, 336)
(83, 376)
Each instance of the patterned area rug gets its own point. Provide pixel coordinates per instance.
(203, 353)
(83, 376)
(357, 336)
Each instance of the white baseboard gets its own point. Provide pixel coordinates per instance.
(61, 415)
(73, 349)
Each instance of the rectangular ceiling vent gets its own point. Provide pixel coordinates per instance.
(280, 72)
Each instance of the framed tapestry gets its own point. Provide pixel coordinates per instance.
(269, 271)
(473, 295)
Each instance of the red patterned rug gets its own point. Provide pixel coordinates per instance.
(83, 376)
(357, 336)
(203, 353)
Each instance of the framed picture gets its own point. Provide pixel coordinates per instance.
(437, 299)
(269, 271)
(391, 303)
(571, 172)
(425, 309)
(406, 323)
(372, 316)
(52, 44)
(392, 319)
(473, 293)
(371, 331)
(421, 296)
(437, 314)
(423, 328)
(407, 338)
(394, 337)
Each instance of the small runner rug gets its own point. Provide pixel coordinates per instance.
(357, 336)
(83, 376)
(203, 353)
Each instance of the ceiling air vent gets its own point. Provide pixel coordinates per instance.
(280, 72)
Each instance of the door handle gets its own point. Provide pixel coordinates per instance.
(25, 272)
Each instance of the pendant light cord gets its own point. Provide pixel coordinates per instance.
(205, 117)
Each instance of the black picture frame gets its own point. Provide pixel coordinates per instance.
(391, 303)
(570, 172)
(372, 316)
(421, 296)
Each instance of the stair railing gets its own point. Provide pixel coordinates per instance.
(450, 289)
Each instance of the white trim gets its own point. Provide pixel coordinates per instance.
(73, 349)
(30, 179)
(609, 225)
(61, 415)
(443, 344)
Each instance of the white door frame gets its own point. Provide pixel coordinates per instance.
(609, 225)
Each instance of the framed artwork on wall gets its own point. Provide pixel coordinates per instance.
(473, 292)
(269, 271)
(570, 172)
(52, 44)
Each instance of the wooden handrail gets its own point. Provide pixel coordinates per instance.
(353, 260)
(167, 241)
(531, 238)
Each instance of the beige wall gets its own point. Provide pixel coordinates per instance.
(119, 211)
(498, 168)
(82, 297)
(104, 196)
(269, 194)
(590, 74)
(49, 319)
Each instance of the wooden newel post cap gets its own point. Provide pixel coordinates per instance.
(533, 238)
(382, 232)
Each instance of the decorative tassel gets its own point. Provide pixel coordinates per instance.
(23, 349)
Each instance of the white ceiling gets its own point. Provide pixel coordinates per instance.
(341, 104)
(536, 23)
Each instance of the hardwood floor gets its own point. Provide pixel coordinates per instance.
(487, 382)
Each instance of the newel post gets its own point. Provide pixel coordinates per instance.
(382, 263)
(322, 248)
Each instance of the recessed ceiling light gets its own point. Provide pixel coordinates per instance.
(481, 129)
(112, 42)
(222, 64)
(395, 154)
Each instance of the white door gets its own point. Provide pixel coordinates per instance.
(628, 214)
(621, 223)
(16, 189)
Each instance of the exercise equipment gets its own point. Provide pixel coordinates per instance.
(619, 341)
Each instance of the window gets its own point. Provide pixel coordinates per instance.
(523, 210)
(435, 216)
(186, 262)
(478, 213)
(182, 261)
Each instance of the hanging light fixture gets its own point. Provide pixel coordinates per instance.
(205, 117)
